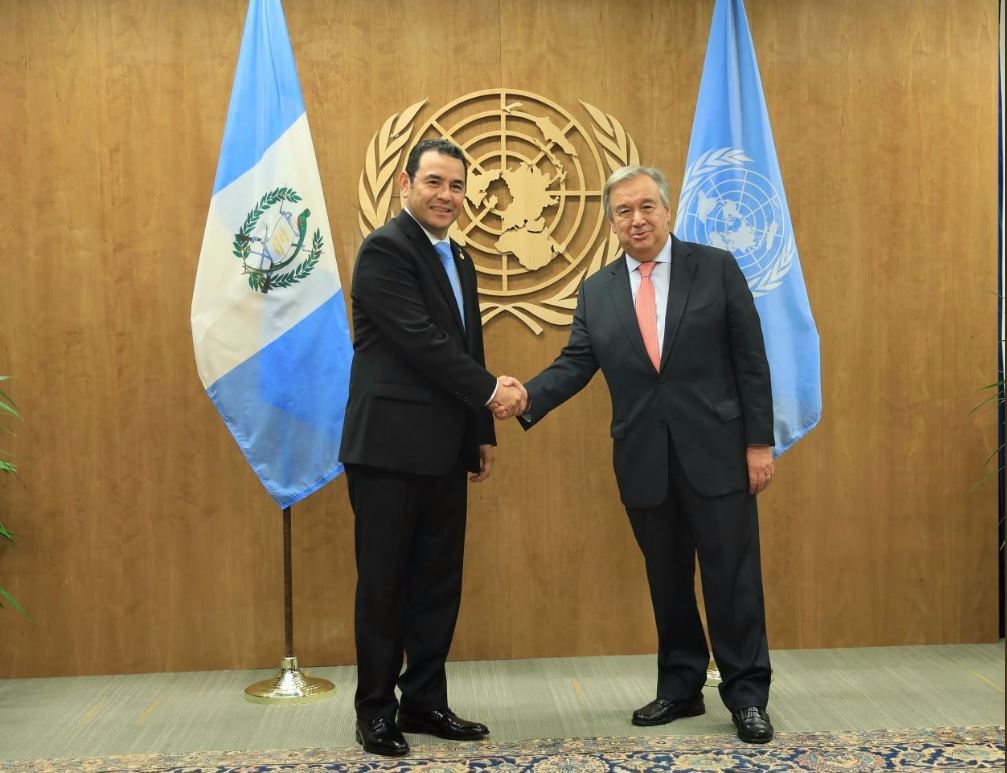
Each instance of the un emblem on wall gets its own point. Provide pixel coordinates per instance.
(725, 204)
(532, 217)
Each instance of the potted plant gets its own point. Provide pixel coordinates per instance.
(8, 410)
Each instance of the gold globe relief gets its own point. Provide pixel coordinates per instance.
(532, 220)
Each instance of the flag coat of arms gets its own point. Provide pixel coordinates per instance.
(268, 319)
(732, 197)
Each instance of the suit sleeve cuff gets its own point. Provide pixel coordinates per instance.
(493, 396)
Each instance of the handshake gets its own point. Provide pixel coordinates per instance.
(510, 400)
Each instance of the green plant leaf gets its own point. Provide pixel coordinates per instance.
(984, 478)
(7, 404)
(8, 408)
(13, 602)
(987, 401)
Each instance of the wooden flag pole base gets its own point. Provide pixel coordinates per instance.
(290, 685)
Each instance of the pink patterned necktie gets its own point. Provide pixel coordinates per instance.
(646, 313)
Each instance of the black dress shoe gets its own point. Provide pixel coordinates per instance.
(753, 725)
(443, 723)
(381, 736)
(664, 710)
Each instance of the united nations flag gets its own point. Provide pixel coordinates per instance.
(733, 198)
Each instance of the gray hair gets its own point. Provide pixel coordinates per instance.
(625, 173)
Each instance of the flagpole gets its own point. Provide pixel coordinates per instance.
(713, 678)
(290, 685)
(288, 588)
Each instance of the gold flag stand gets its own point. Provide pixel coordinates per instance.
(290, 685)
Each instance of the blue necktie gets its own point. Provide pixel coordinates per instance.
(444, 250)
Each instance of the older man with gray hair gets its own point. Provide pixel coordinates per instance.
(673, 327)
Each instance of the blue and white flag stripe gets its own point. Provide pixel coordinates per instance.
(275, 364)
(732, 197)
(266, 95)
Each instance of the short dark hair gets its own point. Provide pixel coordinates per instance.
(445, 147)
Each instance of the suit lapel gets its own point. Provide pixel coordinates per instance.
(430, 260)
(470, 289)
(622, 299)
(683, 269)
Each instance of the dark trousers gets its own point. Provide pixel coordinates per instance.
(410, 541)
(724, 532)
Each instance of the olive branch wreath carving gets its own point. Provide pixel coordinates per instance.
(380, 164)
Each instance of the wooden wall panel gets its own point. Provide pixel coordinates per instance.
(148, 545)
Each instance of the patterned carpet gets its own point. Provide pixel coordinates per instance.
(949, 748)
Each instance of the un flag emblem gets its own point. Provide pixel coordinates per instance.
(727, 204)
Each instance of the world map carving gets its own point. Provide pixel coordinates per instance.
(525, 235)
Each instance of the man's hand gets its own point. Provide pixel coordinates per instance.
(511, 398)
(760, 467)
(487, 455)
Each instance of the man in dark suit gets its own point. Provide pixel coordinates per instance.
(417, 418)
(674, 330)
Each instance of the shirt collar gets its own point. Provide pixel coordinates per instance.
(433, 239)
(664, 256)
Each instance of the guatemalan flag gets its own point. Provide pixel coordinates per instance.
(733, 198)
(268, 320)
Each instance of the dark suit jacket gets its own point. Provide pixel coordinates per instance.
(712, 393)
(418, 384)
